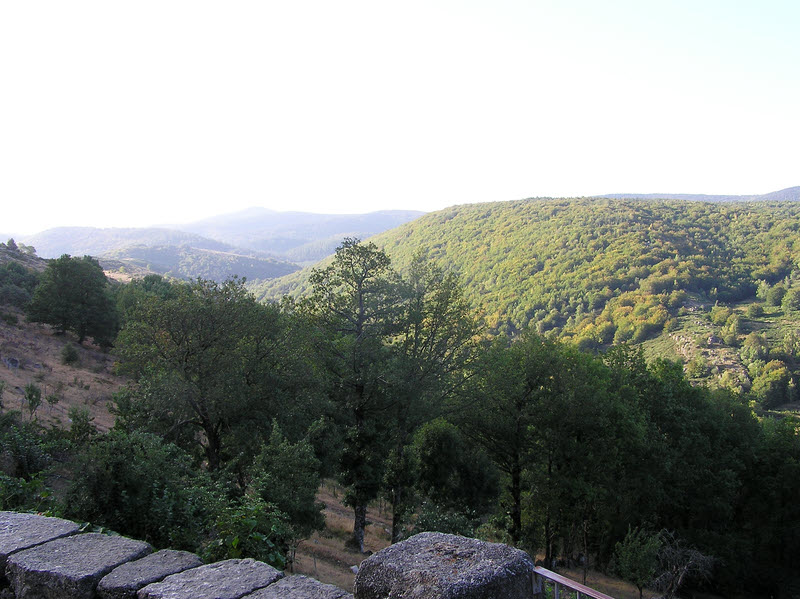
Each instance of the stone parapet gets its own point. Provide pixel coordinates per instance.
(70, 567)
(229, 579)
(47, 558)
(126, 580)
(23, 531)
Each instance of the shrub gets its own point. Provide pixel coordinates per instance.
(18, 494)
(70, 355)
(755, 311)
(140, 486)
(10, 319)
(774, 296)
(252, 528)
(24, 453)
(81, 429)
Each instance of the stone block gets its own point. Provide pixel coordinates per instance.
(300, 587)
(23, 531)
(435, 565)
(125, 581)
(231, 579)
(70, 567)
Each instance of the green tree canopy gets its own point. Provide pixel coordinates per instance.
(211, 364)
(73, 296)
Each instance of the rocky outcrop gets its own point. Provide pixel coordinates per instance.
(441, 566)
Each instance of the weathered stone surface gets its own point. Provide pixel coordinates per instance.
(70, 567)
(444, 566)
(124, 581)
(231, 579)
(300, 587)
(23, 531)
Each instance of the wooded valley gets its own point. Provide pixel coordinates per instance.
(607, 382)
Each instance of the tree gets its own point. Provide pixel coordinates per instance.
(678, 563)
(287, 475)
(210, 362)
(500, 415)
(17, 284)
(636, 557)
(791, 301)
(453, 474)
(392, 347)
(436, 340)
(355, 303)
(33, 397)
(73, 296)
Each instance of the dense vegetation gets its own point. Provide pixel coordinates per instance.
(604, 271)
(386, 379)
(573, 265)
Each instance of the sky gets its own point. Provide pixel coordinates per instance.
(138, 113)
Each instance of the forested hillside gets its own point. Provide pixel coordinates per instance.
(605, 271)
(390, 383)
(610, 270)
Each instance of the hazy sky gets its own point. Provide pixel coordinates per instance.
(134, 113)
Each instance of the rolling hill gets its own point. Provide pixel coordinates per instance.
(163, 251)
(92, 241)
(258, 244)
(603, 271)
(295, 236)
(185, 262)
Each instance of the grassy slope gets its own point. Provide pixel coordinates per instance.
(89, 383)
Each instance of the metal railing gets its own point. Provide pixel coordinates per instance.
(543, 577)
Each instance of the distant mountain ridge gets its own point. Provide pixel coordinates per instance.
(303, 237)
(93, 241)
(790, 194)
(256, 243)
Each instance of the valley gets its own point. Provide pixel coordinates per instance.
(565, 375)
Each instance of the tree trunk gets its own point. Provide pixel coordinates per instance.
(213, 448)
(359, 524)
(398, 510)
(516, 497)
